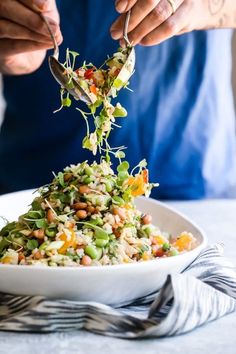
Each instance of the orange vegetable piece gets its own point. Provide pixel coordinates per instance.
(145, 256)
(145, 175)
(184, 242)
(93, 89)
(138, 183)
(158, 240)
(6, 260)
(68, 243)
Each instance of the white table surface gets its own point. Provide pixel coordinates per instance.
(218, 218)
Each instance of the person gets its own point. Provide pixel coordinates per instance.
(181, 113)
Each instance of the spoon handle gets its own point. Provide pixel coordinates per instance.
(55, 45)
(125, 31)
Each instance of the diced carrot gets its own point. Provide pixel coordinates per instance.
(184, 242)
(93, 89)
(138, 183)
(145, 256)
(145, 175)
(6, 260)
(68, 243)
(158, 240)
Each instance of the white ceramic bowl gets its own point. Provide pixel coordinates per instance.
(107, 284)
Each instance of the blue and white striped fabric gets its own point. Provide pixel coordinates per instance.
(204, 292)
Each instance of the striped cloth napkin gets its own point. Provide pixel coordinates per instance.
(204, 292)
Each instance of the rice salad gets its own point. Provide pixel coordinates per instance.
(87, 217)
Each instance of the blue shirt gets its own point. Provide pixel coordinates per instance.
(181, 114)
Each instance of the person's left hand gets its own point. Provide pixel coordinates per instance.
(153, 21)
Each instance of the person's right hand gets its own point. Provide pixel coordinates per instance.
(24, 37)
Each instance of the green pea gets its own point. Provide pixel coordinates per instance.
(50, 232)
(88, 171)
(109, 186)
(118, 200)
(99, 252)
(91, 251)
(89, 179)
(102, 234)
(166, 246)
(101, 243)
(147, 229)
(174, 252)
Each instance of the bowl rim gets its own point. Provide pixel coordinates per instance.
(122, 266)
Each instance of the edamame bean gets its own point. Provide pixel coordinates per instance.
(101, 243)
(99, 233)
(118, 200)
(88, 171)
(91, 251)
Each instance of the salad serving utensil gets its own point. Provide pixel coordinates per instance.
(60, 74)
(128, 68)
(69, 83)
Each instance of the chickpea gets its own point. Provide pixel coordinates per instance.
(81, 214)
(86, 260)
(90, 209)
(80, 205)
(84, 189)
(121, 212)
(146, 219)
(38, 255)
(38, 234)
(50, 216)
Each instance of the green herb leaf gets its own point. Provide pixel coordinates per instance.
(41, 224)
(32, 244)
(120, 154)
(61, 179)
(66, 102)
(123, 166)
(120, 112)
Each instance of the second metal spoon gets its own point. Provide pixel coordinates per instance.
(59, 72)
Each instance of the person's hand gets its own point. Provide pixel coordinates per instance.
(153, 21)
(24, 37)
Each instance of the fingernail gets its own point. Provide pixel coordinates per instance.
(115, 34)
(40, 4)
(121, 5)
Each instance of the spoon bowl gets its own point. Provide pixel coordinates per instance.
(60, 73)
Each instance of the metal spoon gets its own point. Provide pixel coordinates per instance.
(128, 67)
(70, 84)
(59, 72)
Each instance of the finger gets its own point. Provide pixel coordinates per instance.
(124, 5)
(16, 46)
(160, 14)
(16, 12)
(37, 5)
(171, 27)
(47, 7)
(12, 30)
(139, 11)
